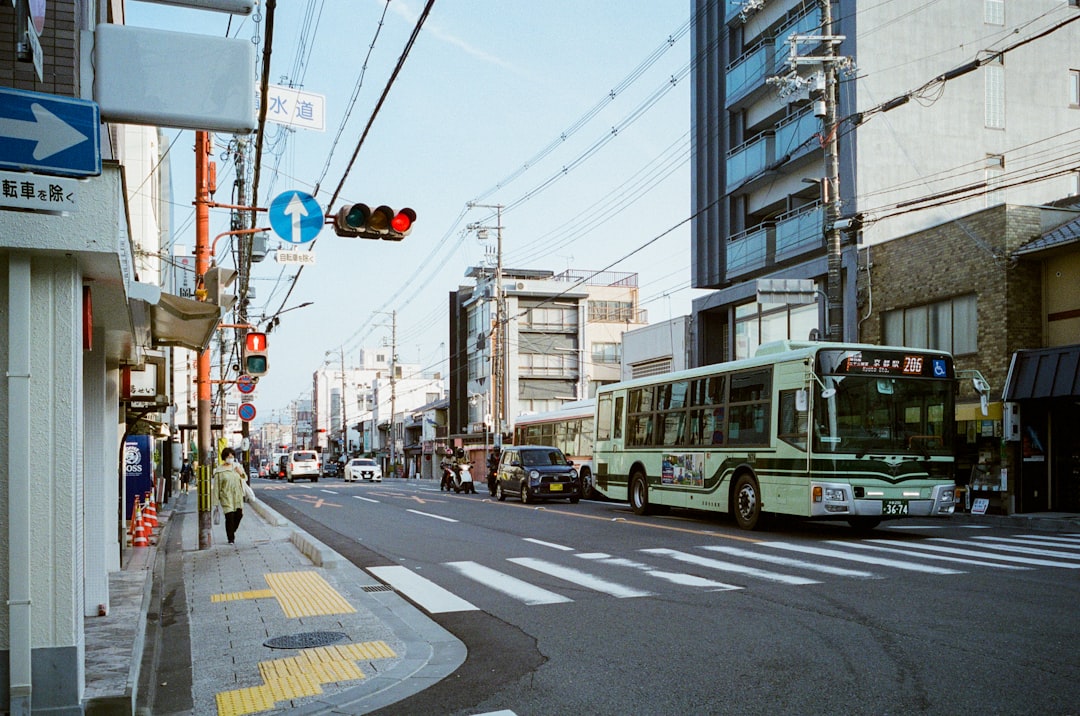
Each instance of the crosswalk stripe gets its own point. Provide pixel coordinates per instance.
(680, 578)
(542, 543)
(582, 579)
(511, 586)
(911, 566)
(1021, 550)
(731, 567)
(788, 562)
(430, 596)
(1032, 543)
(1073, 539)
(937, 557)
(983, 554)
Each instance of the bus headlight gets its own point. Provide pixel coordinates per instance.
(835, 494)
(948, 495)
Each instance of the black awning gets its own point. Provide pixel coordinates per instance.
(1044, 373)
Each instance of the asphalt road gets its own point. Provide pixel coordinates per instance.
(588, 606)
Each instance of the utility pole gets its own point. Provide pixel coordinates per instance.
(202, 263)
(498, 325)
(344, 422)
(243, 267)
(393, 389)
(832, 181)
(793, 85)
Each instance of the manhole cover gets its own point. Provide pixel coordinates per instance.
(307, 640)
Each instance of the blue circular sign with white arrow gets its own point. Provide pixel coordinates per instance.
(296, 217)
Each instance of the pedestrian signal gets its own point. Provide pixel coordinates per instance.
(255, 361)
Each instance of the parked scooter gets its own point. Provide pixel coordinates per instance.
(463, 481)
(448, 476)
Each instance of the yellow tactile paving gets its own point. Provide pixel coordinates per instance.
(301, 675)
(234, 596)
(300, 594)
(306, 594)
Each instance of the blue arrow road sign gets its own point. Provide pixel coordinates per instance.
(296, 217)
(49, 134)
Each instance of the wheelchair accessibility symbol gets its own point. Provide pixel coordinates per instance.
(940, 371)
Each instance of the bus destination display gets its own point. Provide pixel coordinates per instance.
(918, 365)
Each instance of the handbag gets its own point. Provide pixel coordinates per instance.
(249, 494)
(217, 514)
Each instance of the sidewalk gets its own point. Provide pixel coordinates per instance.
(277, 622)
(208, 614)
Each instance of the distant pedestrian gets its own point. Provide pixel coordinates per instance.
(230, 491)
(185, 475)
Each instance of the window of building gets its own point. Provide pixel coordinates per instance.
(994, 12)
(950, 325)
(611, 311)
(756, 324)
(1074, 88)
(606, 352)
(994, 79)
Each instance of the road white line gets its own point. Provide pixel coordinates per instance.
(1020, 550)
(983, 554)
(937, 557)
(511, 586)
(430, 596)
(582, 579)
(789, 562)
(365, 499)
(1030, 542)
(1073, 539)
(329, 492)
(428, 514)
(731, 567)
(680, 578)
(881, 561)
(549, 544)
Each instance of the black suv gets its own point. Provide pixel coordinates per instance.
(537, 472)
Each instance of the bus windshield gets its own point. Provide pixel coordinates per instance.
(884, 415)
(884, 401)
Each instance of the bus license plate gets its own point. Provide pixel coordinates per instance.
(894, 507)
(555, 487)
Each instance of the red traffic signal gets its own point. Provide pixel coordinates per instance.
(382, 222)
(255, 361)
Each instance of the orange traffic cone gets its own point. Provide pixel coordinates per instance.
(134, 514)
(150, 513)
(140, 539)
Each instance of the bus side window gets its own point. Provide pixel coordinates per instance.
(792, 427)
(618, 418)
(603, 418)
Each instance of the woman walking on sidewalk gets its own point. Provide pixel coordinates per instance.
(230, 490)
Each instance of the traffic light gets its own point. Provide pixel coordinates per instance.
(215, 281)
(255, 360)
(382, 222)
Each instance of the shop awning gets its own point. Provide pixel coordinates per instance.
(1044, 373)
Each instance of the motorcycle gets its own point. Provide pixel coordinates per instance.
(448, 477)
(463, 481)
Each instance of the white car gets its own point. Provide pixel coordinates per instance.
(360, 468)
(303, 463)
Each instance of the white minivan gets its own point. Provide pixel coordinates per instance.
(303, 463)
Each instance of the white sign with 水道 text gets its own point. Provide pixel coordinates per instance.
(294, 257)
(38, 192)
(295, 108)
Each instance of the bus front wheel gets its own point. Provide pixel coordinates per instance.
(639, 494)
(747, 502)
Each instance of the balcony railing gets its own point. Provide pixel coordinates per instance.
(747, 73)
(748, 251)
(799, 231)
(808, 24)
(748, 159)
(793, 133)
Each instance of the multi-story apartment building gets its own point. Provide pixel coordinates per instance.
(943, 109)
(342, 397)
(559, 338)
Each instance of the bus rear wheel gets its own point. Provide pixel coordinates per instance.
(747, 503)
(639, 494)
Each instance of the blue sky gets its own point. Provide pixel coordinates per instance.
(488, 88)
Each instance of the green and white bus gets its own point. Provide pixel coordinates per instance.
(817, 430)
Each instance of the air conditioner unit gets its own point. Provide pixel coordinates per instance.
(521, 285)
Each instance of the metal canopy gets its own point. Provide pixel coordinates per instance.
(1044, 373)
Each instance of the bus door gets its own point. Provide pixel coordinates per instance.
(610, 429)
